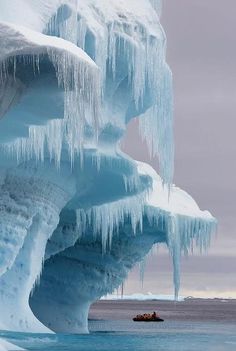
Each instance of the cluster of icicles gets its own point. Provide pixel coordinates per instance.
(147, 69)
(83, 85)
(183, 232)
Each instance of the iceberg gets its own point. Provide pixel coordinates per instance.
(77, 213)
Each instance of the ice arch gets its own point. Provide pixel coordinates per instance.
(72, 75)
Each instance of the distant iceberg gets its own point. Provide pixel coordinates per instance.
(76, 213)
(143, 297)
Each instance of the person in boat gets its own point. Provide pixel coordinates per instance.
(155, 315)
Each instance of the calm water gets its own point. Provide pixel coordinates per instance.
(127, 335)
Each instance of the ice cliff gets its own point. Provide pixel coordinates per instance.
(76, 213)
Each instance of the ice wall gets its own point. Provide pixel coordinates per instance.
(72, 76)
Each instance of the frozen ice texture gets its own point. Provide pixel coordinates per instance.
(6, 346)
(76, 213)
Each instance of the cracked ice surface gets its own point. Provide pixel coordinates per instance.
(76, 213)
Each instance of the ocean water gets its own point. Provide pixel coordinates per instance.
(127, 335)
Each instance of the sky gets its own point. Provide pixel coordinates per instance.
(202, 55)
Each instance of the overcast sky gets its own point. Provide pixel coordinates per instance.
(201, 38)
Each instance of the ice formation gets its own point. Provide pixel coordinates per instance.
(6, 346)
(76, 212)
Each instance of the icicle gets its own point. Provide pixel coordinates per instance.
(68, 29)
(107, 218)
(40, 137)
(156, 127)
(82, 31)
(131, 183)
(142, 268)
(182, 233)
(174, 244)
(101, 40)
(122, 290)
(64, 24)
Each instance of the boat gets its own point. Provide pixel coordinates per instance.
(148, 318)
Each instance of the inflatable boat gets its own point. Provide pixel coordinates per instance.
(146, 318)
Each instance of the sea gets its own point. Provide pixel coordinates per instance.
(186, 333)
